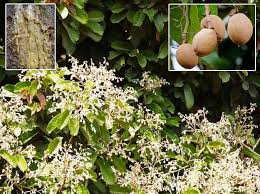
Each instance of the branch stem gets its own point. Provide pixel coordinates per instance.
(185, 30)
(207, 12)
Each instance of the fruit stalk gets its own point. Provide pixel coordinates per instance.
(207, 12)
(185, 30)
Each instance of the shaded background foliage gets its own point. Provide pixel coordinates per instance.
(132, 35)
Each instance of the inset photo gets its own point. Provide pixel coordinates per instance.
(212, 37)
(30, 36)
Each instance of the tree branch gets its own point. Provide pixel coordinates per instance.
(207, 12)
(185, 31)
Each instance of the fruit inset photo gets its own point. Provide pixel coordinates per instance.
(212, 37)
(30, 36)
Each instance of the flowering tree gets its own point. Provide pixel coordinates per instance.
(75, 131)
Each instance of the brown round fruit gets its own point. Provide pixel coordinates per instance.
(240, 29)
(215, 23)
(204, 42)
(186, 56)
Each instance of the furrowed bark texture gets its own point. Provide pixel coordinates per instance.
(30, 36)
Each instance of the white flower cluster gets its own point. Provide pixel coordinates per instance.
(229, 130)
(149, 118)
(155, 172)
(155, 163)
(11, 118)
(92, 89)
(150, 83)
(66, 167)
(230, 171)
(32, 75)
(11, 178)
(229, 174)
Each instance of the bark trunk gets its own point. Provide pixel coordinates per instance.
(30, 36)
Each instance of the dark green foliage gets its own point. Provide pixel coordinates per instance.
(132, 35)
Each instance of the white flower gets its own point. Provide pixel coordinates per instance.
(150, 83)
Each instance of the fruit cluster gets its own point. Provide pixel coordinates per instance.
(239, 29)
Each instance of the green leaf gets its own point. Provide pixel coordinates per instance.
(191, 191)
(253, 91)
(130, 16)
(120, 63)
(149, 55)
(245, 85)
(106, 171)
(33, 87)
(94, 36)
(148, 99)
(92, 138)
(214, 61)
(81, 189)
(20, 86)
(81, 16)
(118, 17)
(73, 31)
(133, 53)
(190, 148)
(117, 7)
(113, 55)
(8, 157)
(194, 22)
(224, 76)
(176, 23)
(63, 11)
(157, 109)
(158, 98)
(150, 13)
(67, 43)
(141, 60)
(163, 51)
(188, 95)
(121, 46)
(21, 162)
(79, 3)
(74, 125)
(251, 153)
(96, 27)
(171, 134)
(159, 22)
(170, 106)
(213, 9)
(8, 90)
(53, 77)
(119, 163)
(59, 121)
(173, 121)
(27, 136)
(136, 17)
(215, 145)
(255, 80)
(95, 16)
(100, 186)
(54, 145)
(118, 189)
